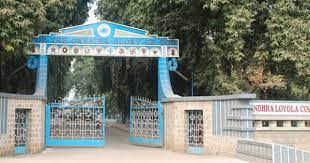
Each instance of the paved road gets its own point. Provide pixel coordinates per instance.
(117, 150)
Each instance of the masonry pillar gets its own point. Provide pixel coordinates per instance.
(164, 84)
(41, 81)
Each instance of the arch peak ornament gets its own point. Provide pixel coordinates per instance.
(104, 30)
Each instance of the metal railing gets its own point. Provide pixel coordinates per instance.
(255, 148)
(276, 153)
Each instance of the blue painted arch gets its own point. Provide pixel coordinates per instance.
(111, 35)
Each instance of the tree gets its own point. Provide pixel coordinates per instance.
(20, 22)
(229, 46)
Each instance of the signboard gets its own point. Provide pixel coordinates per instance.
(280, 107)
(104, 39)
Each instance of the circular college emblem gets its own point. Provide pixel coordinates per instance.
(104, 30)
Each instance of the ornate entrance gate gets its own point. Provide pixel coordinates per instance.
(21, 125)
(76, 123)
(146, 122)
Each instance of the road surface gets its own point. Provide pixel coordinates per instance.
(118, 149)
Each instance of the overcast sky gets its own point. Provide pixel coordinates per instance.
(91, 14)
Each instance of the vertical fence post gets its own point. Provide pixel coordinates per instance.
(161, 121)
(47, 124)
(130, 117)
(103, 120)
(273, 153)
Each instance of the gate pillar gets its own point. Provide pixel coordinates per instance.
(164, 83)
(41, 81)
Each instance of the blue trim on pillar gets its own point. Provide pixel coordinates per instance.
(196, 150)
(20, 150)
(41, 85)
(145, 141)
(161, 123)
(47, 123)
(164, 84)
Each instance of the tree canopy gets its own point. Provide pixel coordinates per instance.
(227, 47)
(20, 21)
(253, 46)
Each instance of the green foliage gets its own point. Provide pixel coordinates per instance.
(226, 47)
(230, 46)
(20, 21)
(116, 78)
(82, 77)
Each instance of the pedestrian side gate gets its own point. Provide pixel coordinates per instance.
(76, 123)
(21, 128)
(194, 131)
(146, 122)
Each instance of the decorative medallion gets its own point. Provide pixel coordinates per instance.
(110, 50)
(121, 51)
(32, 62)
(173, 52)
(64, 50)
(76, 50)
(172, 64)
(155, 52)
(53, 50)
(104, 30)
(34, 49)
(87, 50)
(133, 51)
(144, 51)
(99, 50)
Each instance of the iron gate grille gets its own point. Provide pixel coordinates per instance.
(20, 131)
(194, 130)
(78, 122)
(146, 122)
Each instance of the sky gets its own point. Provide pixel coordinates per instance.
(91, 14)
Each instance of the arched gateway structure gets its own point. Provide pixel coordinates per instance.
(105, 39)
(82, 122)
